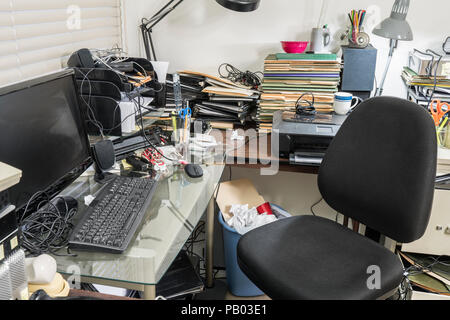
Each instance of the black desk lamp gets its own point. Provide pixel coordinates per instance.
(147, 25)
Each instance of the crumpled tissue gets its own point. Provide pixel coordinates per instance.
(245, 219)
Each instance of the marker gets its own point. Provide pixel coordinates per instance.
(174, 125)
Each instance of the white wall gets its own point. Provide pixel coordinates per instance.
(200, 34)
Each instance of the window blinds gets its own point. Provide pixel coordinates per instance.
(38, 36)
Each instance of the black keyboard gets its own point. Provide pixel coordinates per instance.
(109, 223)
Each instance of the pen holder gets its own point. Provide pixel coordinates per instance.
(181, 136)
(444, 137)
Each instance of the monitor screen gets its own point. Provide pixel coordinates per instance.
(41, 132)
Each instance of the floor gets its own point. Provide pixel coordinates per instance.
(220, 292)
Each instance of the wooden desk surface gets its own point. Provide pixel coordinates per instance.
(256, 153)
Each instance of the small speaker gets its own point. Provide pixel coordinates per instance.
(19, 283)
(358, 74)
(5, 282)
(104, 158)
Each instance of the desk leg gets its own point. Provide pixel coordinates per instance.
(149, 292)
(210, 243)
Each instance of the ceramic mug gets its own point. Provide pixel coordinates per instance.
(343, 103)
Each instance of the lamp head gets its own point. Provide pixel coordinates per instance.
(240, 5)
(396, 27)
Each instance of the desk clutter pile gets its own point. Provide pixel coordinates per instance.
(427, 77)
(221, 103)
(422, 88)
(427, 273)
(289, 76)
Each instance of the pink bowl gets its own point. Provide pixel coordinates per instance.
(294, 46)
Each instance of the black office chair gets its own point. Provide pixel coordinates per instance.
(379, 170)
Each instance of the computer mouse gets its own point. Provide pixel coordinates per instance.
(193, 170)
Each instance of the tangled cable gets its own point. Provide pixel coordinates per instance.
(47, 230)
(247, 78)
(305, 106)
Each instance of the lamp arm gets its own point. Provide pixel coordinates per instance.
(393, 46)
(147, 26)
(162, 16)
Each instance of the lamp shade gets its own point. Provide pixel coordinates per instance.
(396, 27)
(240, 5)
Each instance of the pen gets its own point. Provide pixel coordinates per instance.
(186, 118)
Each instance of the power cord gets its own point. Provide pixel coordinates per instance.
(47, 230)
(406, 286)
(305, 107)
(314, 205)
(91, 115)
(144, 134)
(247, 78)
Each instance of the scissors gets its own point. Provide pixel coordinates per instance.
(185, 112)
(439, 112)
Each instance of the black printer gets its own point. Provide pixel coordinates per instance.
(304, 139)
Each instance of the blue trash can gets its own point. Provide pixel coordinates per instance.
(238, 283)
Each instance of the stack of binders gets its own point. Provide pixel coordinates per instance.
(228, 104)
(191, 91)
(289, 76)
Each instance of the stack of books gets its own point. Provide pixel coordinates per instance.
(228, 104)
(422, 87)
(288, 76)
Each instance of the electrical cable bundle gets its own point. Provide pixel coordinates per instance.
(90, 112)
(47, 230)
(416, 269)
(305, 107)
(247, 78)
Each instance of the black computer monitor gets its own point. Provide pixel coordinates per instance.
(42, 133)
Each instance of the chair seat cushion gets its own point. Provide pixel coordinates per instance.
(314, 258)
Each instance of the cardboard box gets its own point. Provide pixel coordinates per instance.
(237, 192)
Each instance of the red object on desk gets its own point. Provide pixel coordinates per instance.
(265, 209)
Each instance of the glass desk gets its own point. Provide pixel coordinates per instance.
(177, 206)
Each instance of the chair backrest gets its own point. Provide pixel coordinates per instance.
(381, 167)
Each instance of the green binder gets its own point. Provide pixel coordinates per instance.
(307, 56)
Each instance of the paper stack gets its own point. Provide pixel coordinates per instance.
(288, 76)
